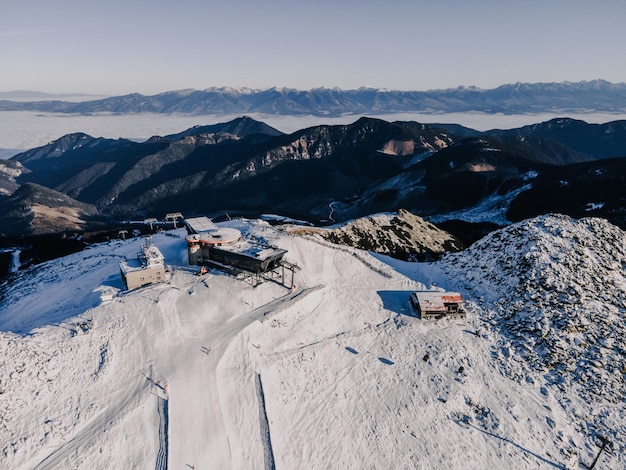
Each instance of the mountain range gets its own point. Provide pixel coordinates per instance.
(564, 97)
(334, 369)
(325, 174)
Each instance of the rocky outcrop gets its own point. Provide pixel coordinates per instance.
(9, 171)
(402, 235)
(555, 288)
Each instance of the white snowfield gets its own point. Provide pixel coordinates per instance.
(209, 372)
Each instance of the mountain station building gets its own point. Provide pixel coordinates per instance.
(227, 249)
(434, 305)
(147, 268)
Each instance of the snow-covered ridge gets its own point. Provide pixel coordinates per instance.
(554, 290)
(8, 172)
(12, 171)
(402, 235)
(344, 373)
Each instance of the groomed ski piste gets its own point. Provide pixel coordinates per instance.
(210, 372)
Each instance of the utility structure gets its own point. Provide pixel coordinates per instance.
(604, 447)
(147, 268)
(227, 249)
(150, 221)
(173, 217)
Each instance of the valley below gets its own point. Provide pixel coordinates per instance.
(24, 130)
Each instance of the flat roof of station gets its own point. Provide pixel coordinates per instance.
(148, 257)
(199, 224)
(215, 236)
(252, 249)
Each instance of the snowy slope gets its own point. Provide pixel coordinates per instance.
(211, 372)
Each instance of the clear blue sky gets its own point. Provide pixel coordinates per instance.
(150, 46)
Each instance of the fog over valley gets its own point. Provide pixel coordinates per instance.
(23, 130)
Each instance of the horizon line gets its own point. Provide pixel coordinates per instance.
(250, 90)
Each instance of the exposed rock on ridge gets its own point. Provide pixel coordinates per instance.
(555, 288)
(9, 170)
(403, 236)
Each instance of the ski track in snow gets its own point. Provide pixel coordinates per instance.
(96, 426)
(351, 378)
(220, 338)
(161, 461)
(268, 454)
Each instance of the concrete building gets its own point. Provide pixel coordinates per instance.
(147, 268)
(227, 249)
(434, 305)
(225, 246)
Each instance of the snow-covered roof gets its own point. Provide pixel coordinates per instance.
(437, 301)
(148, 257)
(199, 224)
(215, 236)
(253, 249)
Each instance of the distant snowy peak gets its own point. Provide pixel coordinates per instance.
(593, 84)
(515, 98)
(234, 91)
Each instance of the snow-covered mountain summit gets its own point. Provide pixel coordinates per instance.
(556, 291)
(211, 372)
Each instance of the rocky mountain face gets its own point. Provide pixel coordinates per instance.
(502, 178)
(566, 97)
(33, 210)
(330, 174)
(597, 141)
(238, 167)
(59, 147)
(9, 171)
(593, 188)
